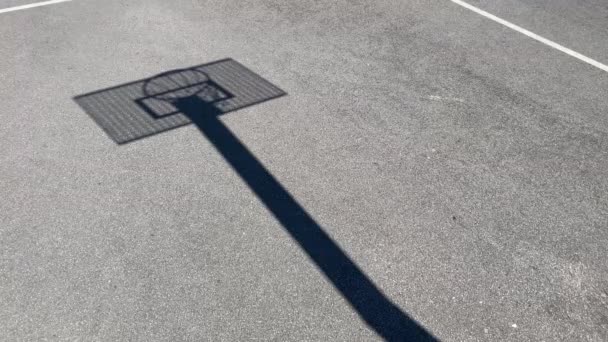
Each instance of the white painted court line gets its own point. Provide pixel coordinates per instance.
(36, 4)
(532, 35)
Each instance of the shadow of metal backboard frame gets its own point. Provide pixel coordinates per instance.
(126, 114)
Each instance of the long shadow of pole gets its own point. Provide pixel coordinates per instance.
(384, 317)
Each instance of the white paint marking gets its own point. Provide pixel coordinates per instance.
(448, 99)
(533, 35)
(36, 4)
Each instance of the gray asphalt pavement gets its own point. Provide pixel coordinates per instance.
(461, 166)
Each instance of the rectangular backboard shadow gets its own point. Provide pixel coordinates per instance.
(126, 114)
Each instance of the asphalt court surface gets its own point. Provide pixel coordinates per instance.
(458, 164)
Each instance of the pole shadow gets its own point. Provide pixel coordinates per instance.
(201, 98)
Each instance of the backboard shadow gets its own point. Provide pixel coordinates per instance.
(127, 114)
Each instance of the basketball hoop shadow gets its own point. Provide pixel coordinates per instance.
(199, 95)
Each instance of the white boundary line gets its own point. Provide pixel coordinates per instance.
(533, 35)
(36, 4)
